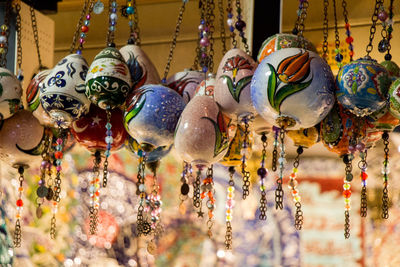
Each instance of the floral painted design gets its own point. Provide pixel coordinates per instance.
(138, 72)
(180, 84)
(221, 133)
(291, 76)
(237, 63)
(57, 80)
(136, 105)
(355, 80)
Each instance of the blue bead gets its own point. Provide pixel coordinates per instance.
(164, 81)
(79, 52)
(205, 69)
(107, 153)
(114, 10)
(20, 77)
(109, 132)
(231, 28)
(185, 1)
(114, 4)
(113, 23)
(87, 22)
(202, 21)
(109, 146)
(339, 57)
(108, 126)
(230, 15)
(112, 28)
(83, 35)
(130, 10)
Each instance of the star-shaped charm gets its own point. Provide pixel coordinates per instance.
(200, 213)
(96, 120)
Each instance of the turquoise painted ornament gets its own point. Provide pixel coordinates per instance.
(155, 155)
(10, 94)
(362, 86)
(151, 115)
(108, 81)
(394, 98)
(232, 90)
(62, 93)
(294, 87)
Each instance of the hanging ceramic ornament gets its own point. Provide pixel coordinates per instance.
(362, 86)
(155, 155)
(392, 68)
(394, 98)
(62, 93)
(185, 83)
(89, 132)
(233, 155)
(141, 69)
(206, 87)
(281, 41)
(108, 81)
(22, 141)
(294, 86)
(10, 94)
(152, 114)
(33, 99)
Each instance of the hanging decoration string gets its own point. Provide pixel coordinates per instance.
(45, 168)
(325, 31)
(174, 40)
(275, 150)
(231, 24)
(385, 172)
(20, 205)
(279, 190)
(298, 223)
(112, 21)
(20, 75)
(186, 174)
(301, 18)
(362, 165)
(349, 39)
(263, 173)
(209, 192)
(390, 23)
(109, 141)
(347, 159)
(94, 193)
(244, 155)
(85, 28)
(240, 25)
(222, 25)
(229, 209)
(36, 35)
(338, 56)
(374, 19)
(143, 226)
(197, 192)
(78, 26)
(198, 50)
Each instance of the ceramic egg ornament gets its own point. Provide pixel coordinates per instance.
(362, 86)
(392, 68)
(22, 140)
(281, 41)
(89, 130)
(152, 113)
(293, 85)
(141, 69)
(201, 136)
(33, 99)
(62, 93)
(206, 87)
(10, 94)
(108, 81)
(153, 156)
(185, 83)
(304, 137)
(232, 90)
(394, 98)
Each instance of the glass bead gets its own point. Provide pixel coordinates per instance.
(210, 205)
(87, 22)
(383, 46)
(112, 28)
(363, 175)
(108, 125)
(347, 201)
(230, 15)
(382, 15)
(109, 146)
(58, 162)
(3, 39)
(19, 203)
(113, 16)
(262, 187)
(339, 57)
(231, 28)
(78, 52)
(229, 22)
(4, 27)
(360, 147)
(295, 170)
(114, 4)
(262, 172)
(84, 28)
(346, 186)
(88, 16)
(294, 193)
(347, 193)
(347, 207)
(297, 198)
(231, 189)
(129, 10)
(83, 35)
(204, 42)
(98, 7)
(58, 155)
(228, 218)
(349, 40)
(107, 153)
(292, 184)
(204, 69)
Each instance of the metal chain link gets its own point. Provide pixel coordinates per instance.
(197, 190)
(233, 35)
(93, 211)
(348, 170)
(390, 30)
(105, 166)
(17, 231)
(325, 30)
(210, 17)
(143, 226)
(78, 26)
(301, 27)
(385, 193)
(374, 19)
(19, 33)
(136, 23)
(57, 180)
(263, 199)
(279, 190)
(362, 165)
(245, 173)
(241, 34)
(337, 40)
(298, 219)
(89, 11)
(229, 233)
(222, 25)
(275, 153)
(174, 40)
(36, 35)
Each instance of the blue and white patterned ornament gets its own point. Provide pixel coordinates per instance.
(295, 85)
(152, 114)
(362, 86)
(62, 93)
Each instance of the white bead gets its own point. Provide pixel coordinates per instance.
(230, 22)
(113, 16)
(3, 39)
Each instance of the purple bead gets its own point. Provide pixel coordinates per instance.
(203, 55)
(44, 163)
(262, 172)
(109, 132)
(360, 147)
(240, 25)
(352, 149)
(382, 16)
(59, 141)
(231, 28)
(204, 42)
(81, 40)
(79, 52)
(114, 10)
(202, 21)
(206, 29)
(230, 15)
(108, 146)
(40, 182)
(205, 69)
(201, 27)
(88, 17)
(58, 168)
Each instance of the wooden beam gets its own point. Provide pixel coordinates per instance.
(70, 5)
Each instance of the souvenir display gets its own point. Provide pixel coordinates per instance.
(185, 83)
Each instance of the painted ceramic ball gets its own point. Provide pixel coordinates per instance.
(152, 114)
(185, 83)
(140, 67)
(22, 140)
(232, 90)
(33, 100)
(233, 156)
(90, 130)
(260, 126)
(377, 123)
(155, 155)
(108, 81)
(293, 83)
(206, 87)
(362, 86)
(280, 41)
(337, 129)
(392, 68)
(62, 93)
(201, 136)
(304, 137)
(69, 140)
(394, 98)
(10, 94)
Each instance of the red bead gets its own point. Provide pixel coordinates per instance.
(349, 40)
(364, 176)
(84, 28)
(351, 53)
(347, 26)
(58, 155)
(347, 193)
(20, 203)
